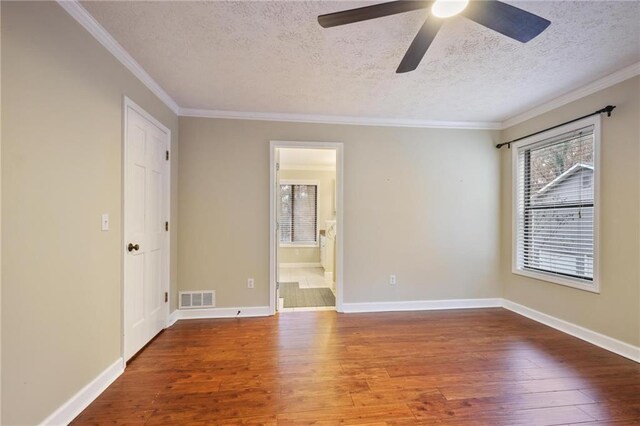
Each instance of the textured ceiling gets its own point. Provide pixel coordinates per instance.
(273, 57)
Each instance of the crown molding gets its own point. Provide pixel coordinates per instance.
(589, 89)
(337, 119)
(84, 18)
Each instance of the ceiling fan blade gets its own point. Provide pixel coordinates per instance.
(506, 19)
(419, 45)
(370, 12)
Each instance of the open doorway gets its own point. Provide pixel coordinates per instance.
(306, 214)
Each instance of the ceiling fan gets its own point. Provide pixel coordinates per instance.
(509, 20)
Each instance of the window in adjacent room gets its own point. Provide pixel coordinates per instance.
(556, 205)
(298, 214)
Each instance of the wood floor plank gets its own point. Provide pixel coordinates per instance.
(607, 392)
(494, 407)
(381, 414)
(606, 411)
(533, 417)
(585, 371)
(471, 367)
(373, 398)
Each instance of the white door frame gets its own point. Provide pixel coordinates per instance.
(127, 103)
(273, 267)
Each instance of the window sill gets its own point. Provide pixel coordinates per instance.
(592, 287)
(298, 245)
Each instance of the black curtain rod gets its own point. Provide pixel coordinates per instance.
(606, 109)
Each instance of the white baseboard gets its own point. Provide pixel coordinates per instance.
(173, 317)
(250, 311)
(81, 400)
(301, 265)
(609, 343)
(421, 305)
(308, 309)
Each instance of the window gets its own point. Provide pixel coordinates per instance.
(555, 215)
(298, 213)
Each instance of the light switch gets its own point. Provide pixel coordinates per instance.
(105, 221)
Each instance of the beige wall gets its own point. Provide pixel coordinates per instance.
(61, 168)
(325, 212)
(0, 219)
(616, 311)
(420, 203)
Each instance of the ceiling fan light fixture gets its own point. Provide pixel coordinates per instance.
(495, 15)
(448, 8)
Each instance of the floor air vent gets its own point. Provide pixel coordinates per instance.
(197, 299)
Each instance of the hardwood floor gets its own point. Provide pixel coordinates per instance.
(471, 367)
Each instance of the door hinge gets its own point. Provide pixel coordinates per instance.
(166, 226)
(166, 297)
(167, 155)
(277, 167)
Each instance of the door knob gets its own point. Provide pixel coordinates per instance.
(132, 247)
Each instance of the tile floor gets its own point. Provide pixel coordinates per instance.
(306, 277)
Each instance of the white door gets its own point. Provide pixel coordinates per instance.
(277, 216)
(146, 233)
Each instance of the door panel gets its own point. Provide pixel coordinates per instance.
(145, 211)
(136, 182)
(136, 279)
(154, 269)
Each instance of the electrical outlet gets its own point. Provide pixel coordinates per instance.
(251, 283)
(392, 279)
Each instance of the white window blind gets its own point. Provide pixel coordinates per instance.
(298, 214)
(555, 201)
